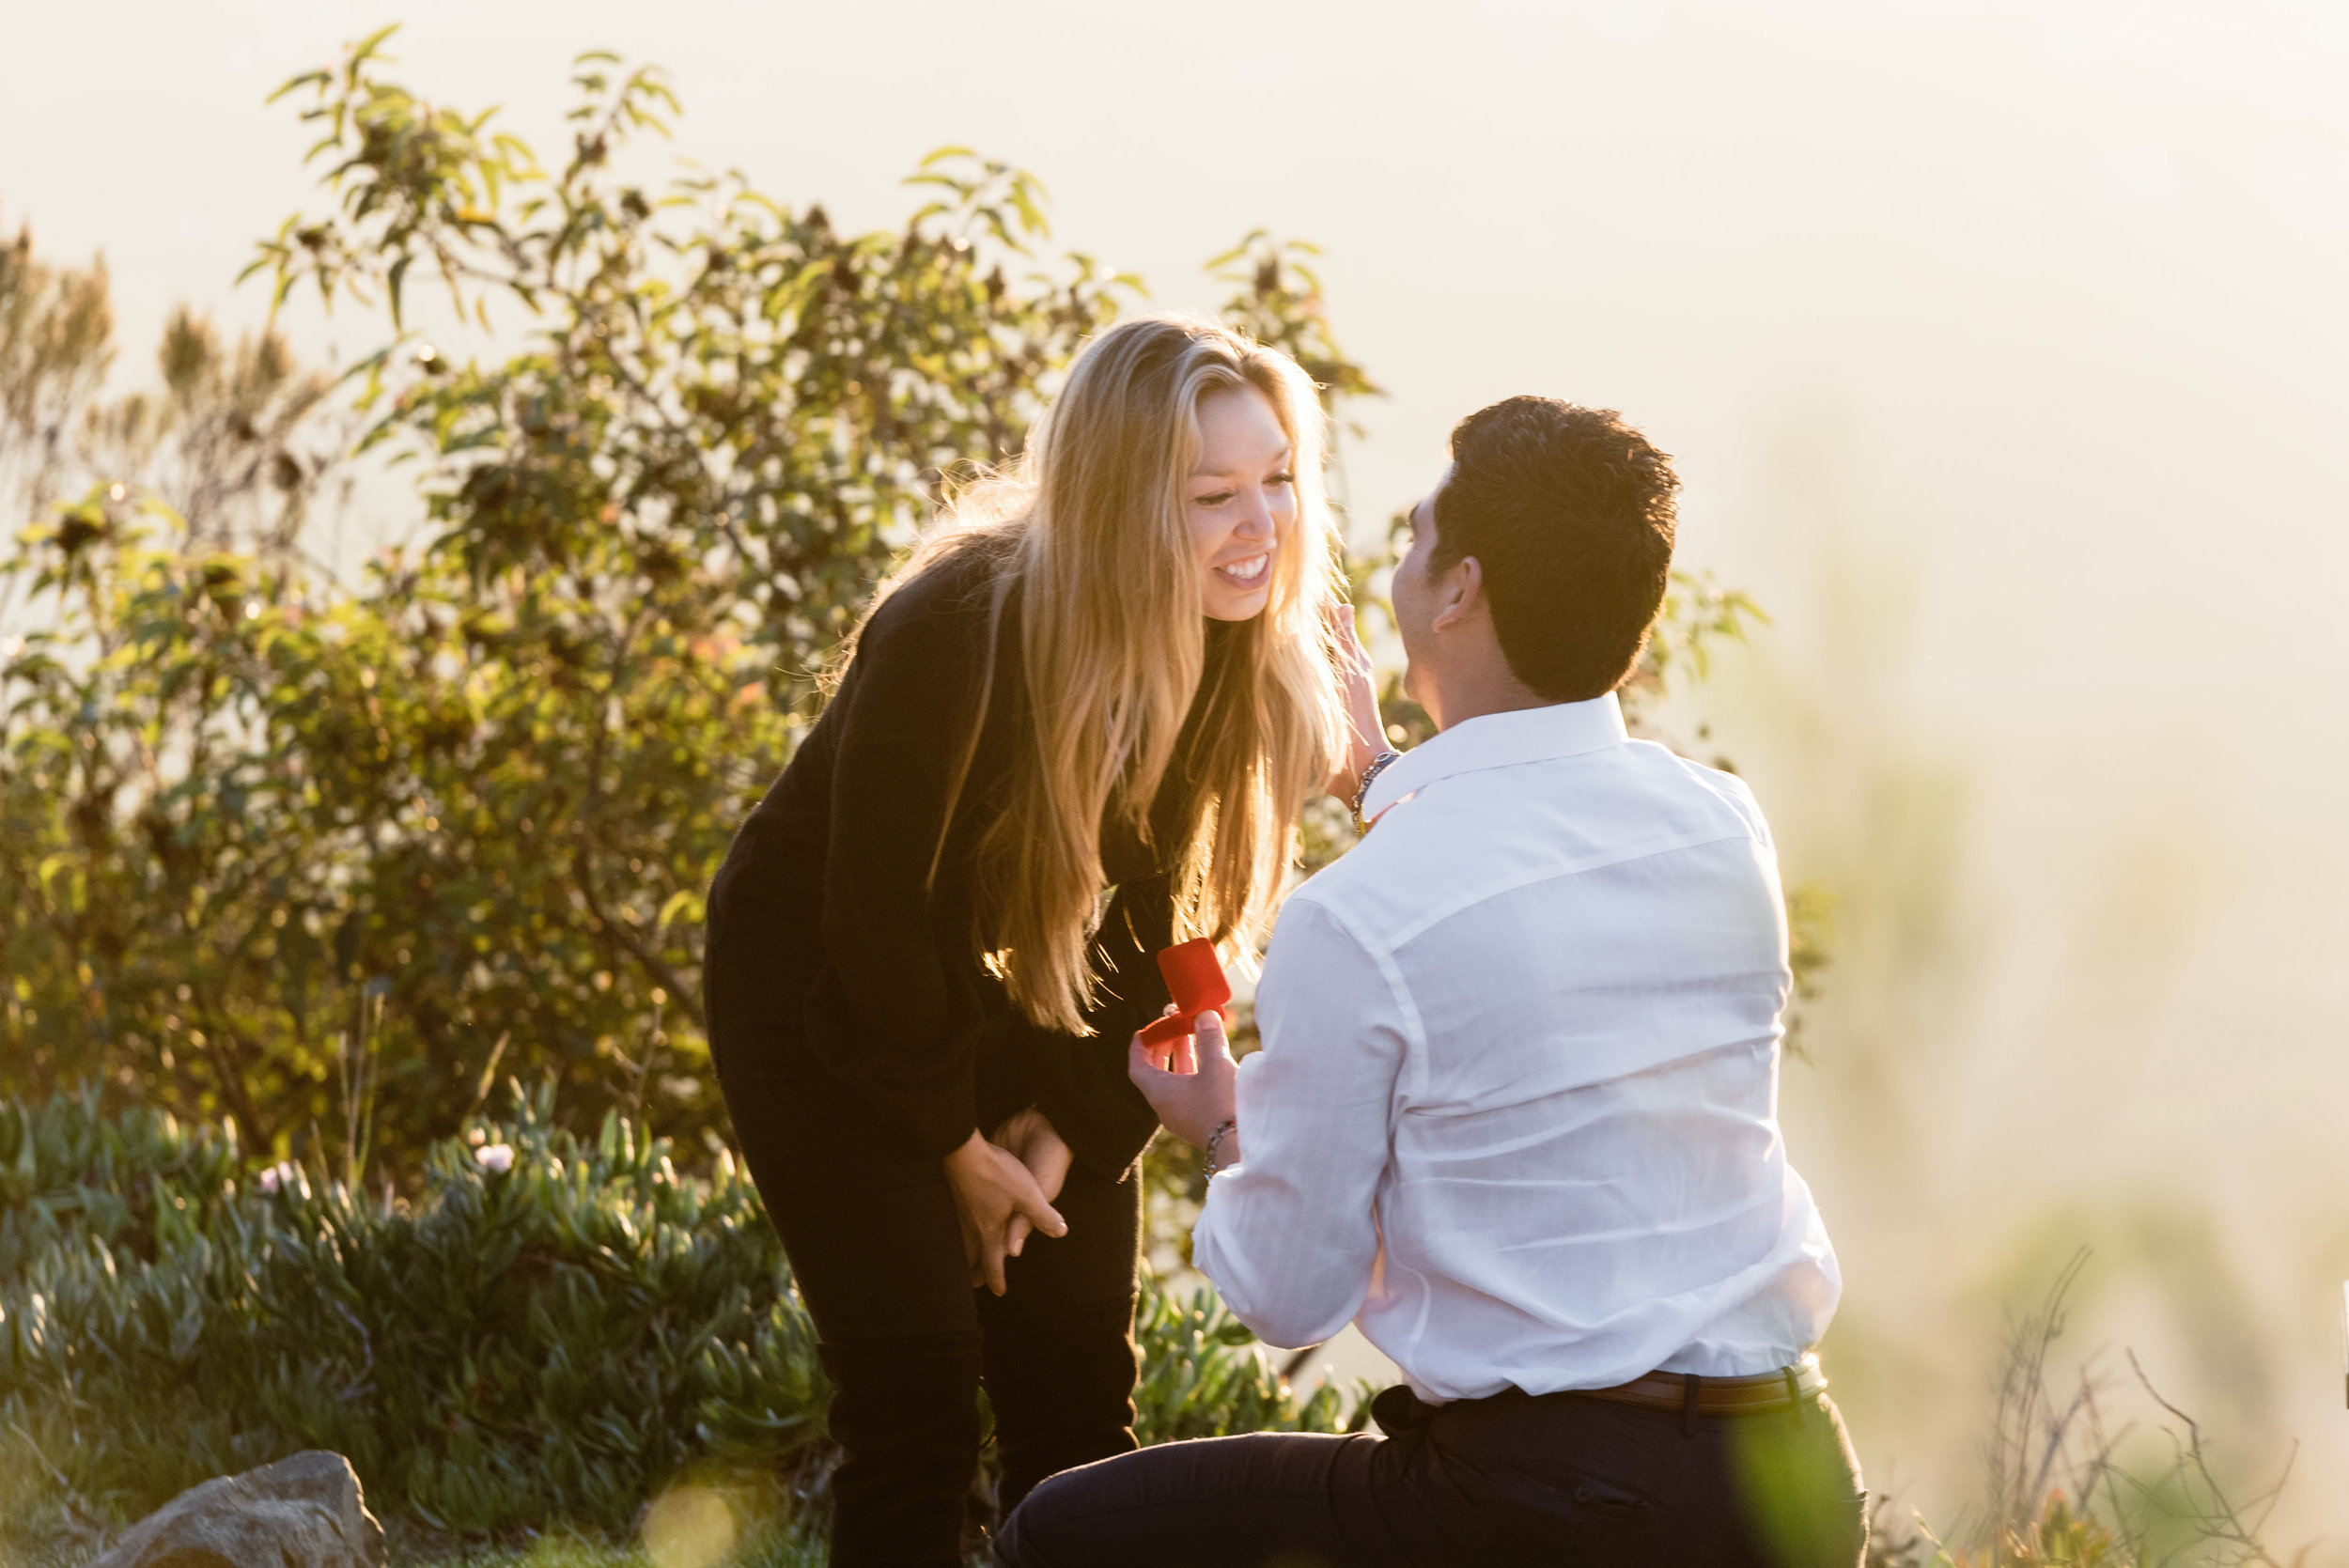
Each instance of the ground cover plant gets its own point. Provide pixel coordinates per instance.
(568, 1352)
(557, 1331)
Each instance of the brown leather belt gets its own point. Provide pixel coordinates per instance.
(1718, 1396)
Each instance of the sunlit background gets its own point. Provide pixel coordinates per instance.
(2003, 352)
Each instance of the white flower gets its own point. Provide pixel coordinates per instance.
(495, 1157)
(276, 1175)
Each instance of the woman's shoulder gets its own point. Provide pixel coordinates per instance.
(944, 607)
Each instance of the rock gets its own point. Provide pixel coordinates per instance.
(305, 1511)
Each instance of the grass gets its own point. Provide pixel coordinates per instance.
(2068, 1489)
(699, 1529)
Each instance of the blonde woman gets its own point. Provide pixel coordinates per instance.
(1078, 727)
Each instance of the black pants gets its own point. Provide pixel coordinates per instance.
(1557, 1480)
(876, 1250)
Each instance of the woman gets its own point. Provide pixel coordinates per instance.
(1078, 727)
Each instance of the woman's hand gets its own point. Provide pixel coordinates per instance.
(1362, 701)
(991, 1188)
(1030, 1137)
(1190, 1104)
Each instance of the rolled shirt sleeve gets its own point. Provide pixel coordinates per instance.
(1290, 1237)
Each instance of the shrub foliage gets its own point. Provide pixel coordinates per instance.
(493, 778)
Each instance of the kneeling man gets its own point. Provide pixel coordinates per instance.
(1515, 1112)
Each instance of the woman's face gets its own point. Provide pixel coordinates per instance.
(1240, 500)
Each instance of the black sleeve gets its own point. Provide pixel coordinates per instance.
(1080, 1084)
(889, 1020)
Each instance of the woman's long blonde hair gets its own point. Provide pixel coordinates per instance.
(1087, 527)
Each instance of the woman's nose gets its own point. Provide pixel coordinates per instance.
(1255, 519)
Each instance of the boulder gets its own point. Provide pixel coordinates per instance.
(305, 1511)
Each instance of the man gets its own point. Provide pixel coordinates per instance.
(1516, 1110)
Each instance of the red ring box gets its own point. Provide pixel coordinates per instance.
(1197, 983)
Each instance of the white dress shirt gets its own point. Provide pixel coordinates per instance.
(1517, 1109)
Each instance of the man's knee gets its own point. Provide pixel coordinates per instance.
(1027, 1539)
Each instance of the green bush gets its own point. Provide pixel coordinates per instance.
(493, 774)
(554, 1331)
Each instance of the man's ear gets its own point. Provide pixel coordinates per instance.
(1459, 594)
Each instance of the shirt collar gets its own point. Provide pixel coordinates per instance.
(1500, 740)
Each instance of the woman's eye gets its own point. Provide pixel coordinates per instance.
(1217, 499)
(1282, 479)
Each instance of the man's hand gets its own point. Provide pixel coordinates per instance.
(1190, 1104)
(991, 1188)
(1030, 1137)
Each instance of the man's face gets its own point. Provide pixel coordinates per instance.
(1413, 594)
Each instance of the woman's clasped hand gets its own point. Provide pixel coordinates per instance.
(1031, 1136)
(1003, 1188)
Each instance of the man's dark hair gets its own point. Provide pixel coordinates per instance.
(1569, 511)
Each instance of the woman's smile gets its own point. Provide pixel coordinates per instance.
(1247, 572)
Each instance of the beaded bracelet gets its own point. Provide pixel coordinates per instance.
(1215, 1140)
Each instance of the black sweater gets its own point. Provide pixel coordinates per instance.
(825, 939)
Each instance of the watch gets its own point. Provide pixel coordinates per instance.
(1361, 790)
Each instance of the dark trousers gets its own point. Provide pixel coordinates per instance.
(1557, 1480)
(877, 1253)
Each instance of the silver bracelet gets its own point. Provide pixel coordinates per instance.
(1361, 791)
(1215, 1140)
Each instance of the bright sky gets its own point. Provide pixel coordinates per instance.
(2004, 350)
